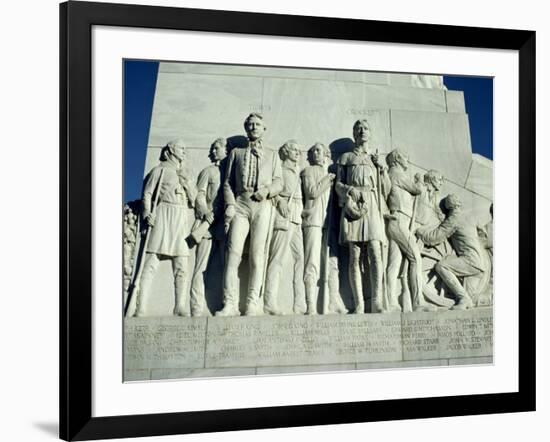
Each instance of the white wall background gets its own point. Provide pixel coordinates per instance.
(29, 218)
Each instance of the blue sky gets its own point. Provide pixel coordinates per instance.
(478, 96)
(139, 88)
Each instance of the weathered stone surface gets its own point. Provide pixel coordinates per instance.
(449, 334)
(179, 373)
(167, 342)
(420, 337)
(186, 105)
(302, 340)
(137, 374)
(299, 73)
(465, 335)
(312, 110)
(472, 361)
(168, 348)
(434, 140)
(246, 71)
(480, 178)
(416, 99)
(402, 364)
(403, 80)
(306, 368)
(455, 102)
(363, 77)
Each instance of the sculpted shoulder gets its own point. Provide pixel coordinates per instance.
(237, 151)
(309, 171)
(346, 158)
(352, 158)
(209, 171)
(156, 171)
(396, 173)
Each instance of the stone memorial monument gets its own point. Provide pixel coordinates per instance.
(249, 264)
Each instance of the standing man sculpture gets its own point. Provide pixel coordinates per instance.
(208, 229)
(317, 186)
(253, 178)
(173, 192)
(402, 203)
(287, 235)
(361, 183)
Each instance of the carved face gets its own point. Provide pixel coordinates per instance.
(434, 180)
(255, 128)
(361, 133)
(178, 151)
(403, 160)
(293, 152)
(437, 182)
(318, 155)
(218, 152)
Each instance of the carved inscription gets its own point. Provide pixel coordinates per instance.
(155, 343)
(420, 339)
(259, 107)
(463, 335)
(299, 340)
(451, 334)
(164, 342)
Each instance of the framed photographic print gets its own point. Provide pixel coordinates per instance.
(274, 220)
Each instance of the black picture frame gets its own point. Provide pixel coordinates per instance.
(76, 21)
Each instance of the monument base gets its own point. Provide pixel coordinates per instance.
(175, 347)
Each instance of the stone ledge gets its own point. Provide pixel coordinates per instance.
(172, 347)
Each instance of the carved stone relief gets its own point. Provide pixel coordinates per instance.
(360, 221)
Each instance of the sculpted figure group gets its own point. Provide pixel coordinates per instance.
(406, 247)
